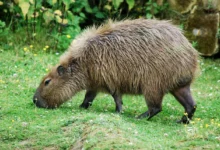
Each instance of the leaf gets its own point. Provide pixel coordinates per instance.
(70, 17)
(58, 19)
(108, 7)
(1, 3)
(52, 2)
(38, 4)
(67, 3)
(149, 16)
(24, 5)
(130, 4)
(16, 1)
(30, 12)
(87, 7)
(82, 15)
(48, 16)
(117, 3)
(64, 21)
(156, 11)
(31, 2)
(58, 12)
(61, 21)
(155, 5)
(99, 15)
(148, 8)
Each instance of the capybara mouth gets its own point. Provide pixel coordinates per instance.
(39, 102)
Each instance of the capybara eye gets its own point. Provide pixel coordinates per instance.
(47, 82)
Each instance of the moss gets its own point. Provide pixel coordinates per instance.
(206, 26)
(182, 6)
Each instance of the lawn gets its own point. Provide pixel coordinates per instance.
(23, 126)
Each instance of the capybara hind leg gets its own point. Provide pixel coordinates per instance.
(154, 106)
(118, 102)
(150, 113)
(183, 95)
(89, 97)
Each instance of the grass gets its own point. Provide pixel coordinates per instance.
(23, 126)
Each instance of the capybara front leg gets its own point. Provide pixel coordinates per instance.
(118, 102)
(183, 95)
(89, 97)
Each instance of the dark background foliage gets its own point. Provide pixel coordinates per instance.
(35, 21)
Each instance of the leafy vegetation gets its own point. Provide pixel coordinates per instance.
(23, 126)
(34, 21)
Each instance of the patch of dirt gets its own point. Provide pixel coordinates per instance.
(26, 142)
(80, 142)
(99, 137)
(51, 148)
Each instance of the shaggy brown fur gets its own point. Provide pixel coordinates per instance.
(140, 56)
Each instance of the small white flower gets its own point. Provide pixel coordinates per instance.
(24, 124)
(15, 75)
(135, 132)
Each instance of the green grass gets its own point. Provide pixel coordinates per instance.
(23, 126)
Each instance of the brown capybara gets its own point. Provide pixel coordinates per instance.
(148, 57)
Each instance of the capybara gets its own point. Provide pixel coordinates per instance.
(148, 57)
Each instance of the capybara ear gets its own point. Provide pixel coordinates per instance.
(73, 61)
(61, 70)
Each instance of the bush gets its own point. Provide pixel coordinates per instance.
(55, 20)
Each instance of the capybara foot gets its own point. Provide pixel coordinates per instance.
(118, 102)
(85, 105)
(187, 116)
(184, 120)
(118, 108)
(146, 114)
(150, 114)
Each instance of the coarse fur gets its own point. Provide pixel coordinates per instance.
(148, 57)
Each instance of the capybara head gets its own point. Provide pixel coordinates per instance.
(57, 87)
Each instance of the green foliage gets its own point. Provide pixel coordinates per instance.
(130, 4)
(117, 3)
(218, 34)
(195, 44)
(153, 9)
(2, 26)
(59, 18)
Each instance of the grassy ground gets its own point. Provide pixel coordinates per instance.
(23, 126)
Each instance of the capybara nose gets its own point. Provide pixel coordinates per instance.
(34, 100)
(39, 102)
